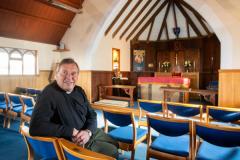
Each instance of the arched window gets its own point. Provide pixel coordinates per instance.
(17, 61)
(3, 62)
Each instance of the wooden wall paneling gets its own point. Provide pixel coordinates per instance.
(100, 78)
(9, 83)
(229, 88)
(84, 80)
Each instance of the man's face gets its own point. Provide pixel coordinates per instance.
(67, 76)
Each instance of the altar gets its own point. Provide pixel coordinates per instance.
(151, 87)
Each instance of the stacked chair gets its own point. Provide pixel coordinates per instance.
(125, 131)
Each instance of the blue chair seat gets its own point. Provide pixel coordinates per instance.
(3, 105)
(29, 112)
(17, 109)
(173, 145)
(125, 134)
(209, 151)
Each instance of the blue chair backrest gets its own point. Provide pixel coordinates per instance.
(169, 127)
(42, 148)
(14, 98)
(150, 106)
(2, 97)
(220, 136)
(3, 101)
(117, 118)
(28, 101)
(185, 111)
(224, 115)
(69, 156)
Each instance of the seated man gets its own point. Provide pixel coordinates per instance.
(62, 110)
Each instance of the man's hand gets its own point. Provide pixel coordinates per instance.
(81, 138)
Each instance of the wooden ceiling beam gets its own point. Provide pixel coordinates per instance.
(194, 27)
(174, 15)
(188, 32)
(148, 22)
(118, 16)
(9, 11)
(197, 15)
(164, 20)
(136, 17)
(166, 29)
(150, 31)
(126, 18)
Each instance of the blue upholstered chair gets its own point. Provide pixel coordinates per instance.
(183, 110)
(226, 115)
(4, 106)
(174, 141)
(149, 106)
(15, 107)
(71, 151)
(28, 106)
(217, 142)
(125, 132)
(46, 148)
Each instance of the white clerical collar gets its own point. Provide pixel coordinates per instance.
(68, 92)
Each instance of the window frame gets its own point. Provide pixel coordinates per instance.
(22, 52)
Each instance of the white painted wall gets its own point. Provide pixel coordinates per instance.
(92, 49)
(46, 56)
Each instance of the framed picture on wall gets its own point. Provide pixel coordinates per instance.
(138, 60)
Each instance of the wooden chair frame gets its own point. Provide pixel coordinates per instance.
(25, 118)
(158, 154)
(122, 145)
(80, 152)
(25, 133)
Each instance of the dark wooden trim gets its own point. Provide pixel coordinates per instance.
(136, 17)
(194, 27)
(126, 18)
(118, 16)
(150, 31)
(33, 17)
(164, 20)
(188, 32)
(166, 29)
(198, 16)
(141, 21)
(149, 21)
(174, 15)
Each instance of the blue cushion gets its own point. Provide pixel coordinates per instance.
(17, 109)
(29, 112)
(3, 105)
(69, 156)
(209, 151)
(173, 145)
(125, 134)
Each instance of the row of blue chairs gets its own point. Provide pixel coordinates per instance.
(213, 114)
(15, 105)
(179, 138)
(59, 149)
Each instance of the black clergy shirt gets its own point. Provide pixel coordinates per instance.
(57, 112)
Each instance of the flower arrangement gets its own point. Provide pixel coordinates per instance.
(187, 65)
(166, 65)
